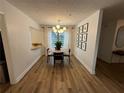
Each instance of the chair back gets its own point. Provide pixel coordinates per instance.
(69, 51)
(47, 51)
(58, 56)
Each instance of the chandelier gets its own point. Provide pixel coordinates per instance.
(59, 29)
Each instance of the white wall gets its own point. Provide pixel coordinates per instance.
(1, 6)
(18, 32)
(106, 40)
(6, 47)
(88, 57)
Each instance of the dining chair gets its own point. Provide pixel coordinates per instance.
(49, 54)
(68, 54)
(58, 56)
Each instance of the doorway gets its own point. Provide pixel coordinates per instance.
(4, 76)
(109, 67)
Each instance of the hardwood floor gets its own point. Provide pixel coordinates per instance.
(70, 78)
(112, 75)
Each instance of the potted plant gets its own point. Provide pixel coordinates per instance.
(58, 45)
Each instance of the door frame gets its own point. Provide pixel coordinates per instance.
(4, 36)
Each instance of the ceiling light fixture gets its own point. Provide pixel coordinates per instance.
(58, 28)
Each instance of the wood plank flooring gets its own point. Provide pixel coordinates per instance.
(70, 78)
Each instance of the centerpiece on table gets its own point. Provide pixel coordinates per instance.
(58, 45)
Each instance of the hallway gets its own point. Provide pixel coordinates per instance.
(73, 78)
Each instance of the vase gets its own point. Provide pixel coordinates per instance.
(57, 48)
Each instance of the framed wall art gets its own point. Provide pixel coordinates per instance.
(83, 46)
(77, 37)
(77, 40)
(80, 45)
(84, 37)
(80, 37)
(78, 30)
(85, 27)
(81, 29)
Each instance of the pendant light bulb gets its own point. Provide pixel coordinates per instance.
(64, 28)
(58, 26)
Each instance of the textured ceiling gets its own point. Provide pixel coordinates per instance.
(70, 12)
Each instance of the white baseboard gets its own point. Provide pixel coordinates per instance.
(24, 73)
(86, 66)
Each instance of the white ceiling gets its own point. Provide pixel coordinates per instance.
(70, 12)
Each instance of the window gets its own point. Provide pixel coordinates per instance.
(54, 39)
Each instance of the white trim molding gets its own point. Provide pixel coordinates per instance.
(25, 72)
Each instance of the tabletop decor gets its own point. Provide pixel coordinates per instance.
(58, 45)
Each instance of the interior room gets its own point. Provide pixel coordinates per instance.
(110, 57)
(58, 46)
